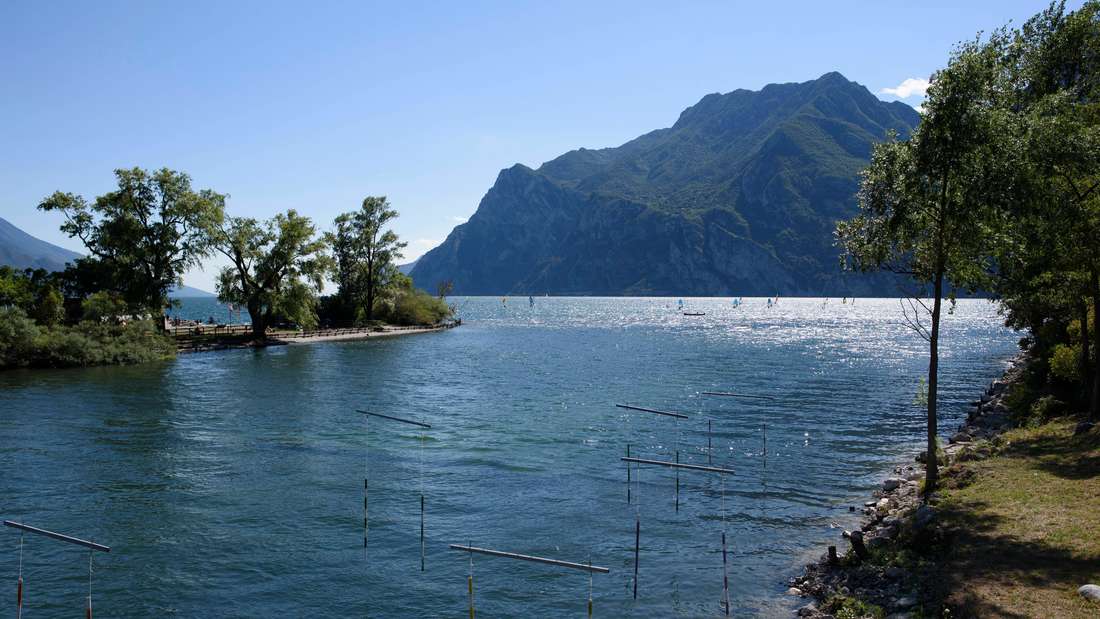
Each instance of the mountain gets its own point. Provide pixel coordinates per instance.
(187, 292)
(408, 266)
(23, 251)
(738, 197)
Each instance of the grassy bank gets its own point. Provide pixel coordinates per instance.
(1021, 530)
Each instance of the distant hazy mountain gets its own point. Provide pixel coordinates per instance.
(23, 251)
(407, 267)
(739, 197)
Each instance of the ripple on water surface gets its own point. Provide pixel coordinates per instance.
(230, 484)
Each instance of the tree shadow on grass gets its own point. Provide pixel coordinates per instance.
(1062, 455)
(980, 565)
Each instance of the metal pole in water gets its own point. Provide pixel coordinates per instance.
(421, 532)
(708, 442)
(677, 482)
(628, 475)
(57, 536)
(725, 578)
(637, 540)
(651, 410)
(691, 467)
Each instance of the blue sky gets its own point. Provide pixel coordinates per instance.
(315, 105)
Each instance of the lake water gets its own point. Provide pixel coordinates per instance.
(230, 484)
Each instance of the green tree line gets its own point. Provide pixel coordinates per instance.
(142, 237)
(998, 188)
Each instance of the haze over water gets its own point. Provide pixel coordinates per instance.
(230, 483)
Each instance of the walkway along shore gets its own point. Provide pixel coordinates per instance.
(896, 519)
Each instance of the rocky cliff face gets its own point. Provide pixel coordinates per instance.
(739, 197)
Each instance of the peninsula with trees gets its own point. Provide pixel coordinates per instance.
(108, 307)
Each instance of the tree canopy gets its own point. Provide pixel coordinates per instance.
(143, 236)
(277, 268)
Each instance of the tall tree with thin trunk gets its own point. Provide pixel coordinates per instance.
(365, 252)
(926, 203)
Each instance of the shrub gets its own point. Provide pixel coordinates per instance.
(85, 344)
(1044, 409)
(416, 307)
(103, 306)
(1065, 363)
(17, 337)
(844, 607)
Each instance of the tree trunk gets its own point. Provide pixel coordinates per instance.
(259, 324)
(370, 290)
(1086, 358)
(931, 471)
(1094, 403)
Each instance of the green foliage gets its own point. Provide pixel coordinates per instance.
(104, 306)
(141, 237)
(17, 336)
(277, 268)
(416, 307)
(1065, 362)
(35, 291)
(365, 254)
(1044, 409)
(846, 607)
(23, 344)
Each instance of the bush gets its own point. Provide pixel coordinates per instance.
(1065, 363)
(17, 337)
(416, 307)
(844, 607)
(86, 344)
(1044, 409)
(103, 306)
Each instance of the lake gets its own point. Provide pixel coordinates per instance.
(230, 484)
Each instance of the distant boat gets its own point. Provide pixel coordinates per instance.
(531, 300)
(695, 313)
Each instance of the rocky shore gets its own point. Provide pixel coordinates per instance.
(871, 571)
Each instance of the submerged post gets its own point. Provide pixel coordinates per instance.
(421, 532)
(725, 578)
(709, 448)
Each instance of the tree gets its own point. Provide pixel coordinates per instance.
(277, 268)
(145, 234)
(1054, 63)
(927, 203)
(365, 253)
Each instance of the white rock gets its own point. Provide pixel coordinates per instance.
(892, 483)
(1090, 592)
(905, 602)
(794, 591)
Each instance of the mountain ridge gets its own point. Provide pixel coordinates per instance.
(743, 186)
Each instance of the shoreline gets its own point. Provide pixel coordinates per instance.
(897, 507)
(345, 337)
(320, 336)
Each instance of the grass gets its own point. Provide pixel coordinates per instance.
(1024, 532)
